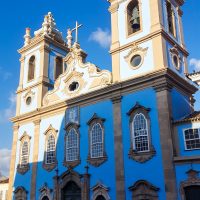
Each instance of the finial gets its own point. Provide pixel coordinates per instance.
(69, 38)
(27, 37)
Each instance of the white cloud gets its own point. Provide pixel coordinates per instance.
(8, 112)
(195, 63)
(5, 75)
(5, 155)
(102, 37)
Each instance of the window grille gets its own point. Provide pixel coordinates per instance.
(140, 133)
(72, 150)
(24, 153)
(50, 151)
(192, 138)
(96, 141)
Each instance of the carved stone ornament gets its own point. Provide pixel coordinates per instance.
(29, 94)
(133, 154)
(144, 190)
(49, 167)
(20, 193)
(100, 190)
(22, 169)
(86, 77)
(192, 180)
(175, 57)
(136, 50)
(100, 160)
(45, 191)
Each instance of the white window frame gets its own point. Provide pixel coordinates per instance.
(92, 144)
(47, 144)
(190, 139)
(133, 132)
(73, 147)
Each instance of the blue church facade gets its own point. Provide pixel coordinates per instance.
(85, 133)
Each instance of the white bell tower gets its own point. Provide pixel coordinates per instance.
(146, 36)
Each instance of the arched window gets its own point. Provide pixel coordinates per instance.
(24, 153)
(141, 145)
(133, 17)
(96, 141)
(50, 161)
(72, 146)
(20, 193)
(31, 68)
(140, 133)
(58, 67)
(23, 165)
(97, 153)
(50, 150)
(170, 18)
(45, 198)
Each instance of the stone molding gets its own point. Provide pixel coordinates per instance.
(20, 193)
(46, 191)
(192, 180)
(144, 190)
(74, 163)
(133, 154)
(100, 160)
(100, 190)
(157, 79)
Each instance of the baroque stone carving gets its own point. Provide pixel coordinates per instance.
(87, 76)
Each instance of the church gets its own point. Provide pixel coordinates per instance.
(84, 133)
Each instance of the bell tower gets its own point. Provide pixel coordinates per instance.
(41, 64)
(146, 36)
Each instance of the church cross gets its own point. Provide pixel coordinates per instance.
(76, 30)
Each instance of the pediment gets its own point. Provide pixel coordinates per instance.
(79, 78)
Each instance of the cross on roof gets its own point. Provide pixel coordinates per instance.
(76, 30)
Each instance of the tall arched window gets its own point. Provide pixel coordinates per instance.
(140, 133)
(171, 18)
(23, 165)
(50, 161)
(96, 141)
(97, 154)
(31, 68)
(58, 67)
(72, 145)
(133, 17)
(50, 150)
(24, 153)
(141, 148)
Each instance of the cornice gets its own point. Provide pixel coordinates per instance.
(160, 32)
(43, 39)
(154, 79)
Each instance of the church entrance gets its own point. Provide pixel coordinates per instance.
(192, 192)
(71, 191)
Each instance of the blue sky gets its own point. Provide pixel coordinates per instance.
(15, 16)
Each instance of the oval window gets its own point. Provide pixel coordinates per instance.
(28, 101)
(73, 86)
(176, 62)
(136, 60)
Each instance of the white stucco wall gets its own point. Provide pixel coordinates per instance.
(3, 190)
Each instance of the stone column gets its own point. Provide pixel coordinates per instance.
(86, 185)
(164, 117)
(12, 161)
(35, 159)
(118, 147)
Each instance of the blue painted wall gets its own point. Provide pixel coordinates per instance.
(152, 169)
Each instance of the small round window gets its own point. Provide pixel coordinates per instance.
(28, 101)
(73, 86)
(176, 61)
(136, 60)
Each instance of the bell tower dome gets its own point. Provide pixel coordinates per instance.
(146, 36)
